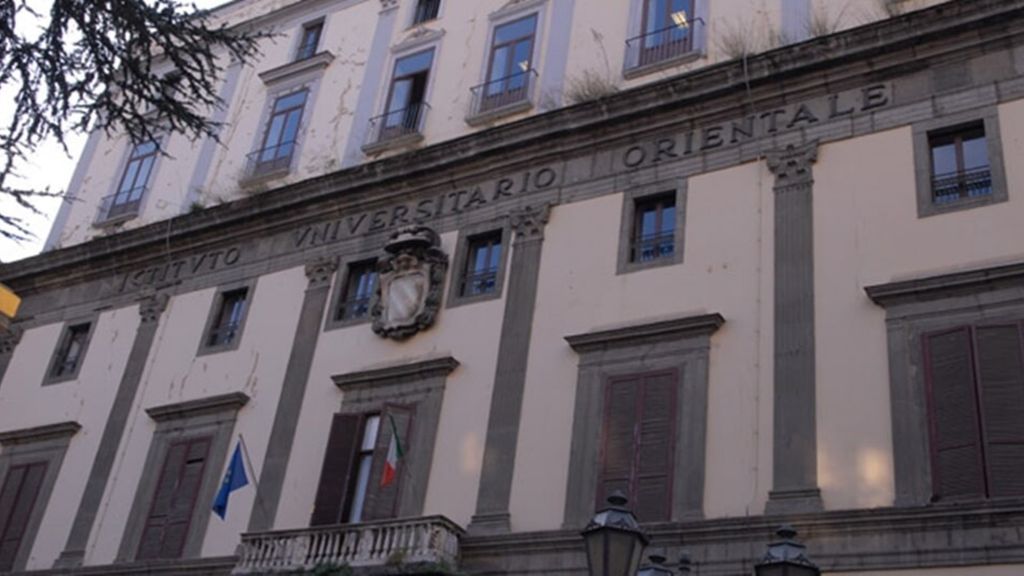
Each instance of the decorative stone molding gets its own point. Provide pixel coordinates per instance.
(513, 7)
(386, 5)
(420, 36)
(792, 164)
(315, 63)
(39, 433)
(152, 305)
(431, 368)
(9, 339)
(320, 271)
(946, 285)
(411, 282)
(528, 222)
(190, 408)
(660, 330)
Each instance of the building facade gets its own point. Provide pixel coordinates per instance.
(458, 270)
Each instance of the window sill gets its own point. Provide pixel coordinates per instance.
(114, 220)
(487, 116)
(254, 181)
(934, 209)
(628, 267)
(457, 300)
(315, 63)
(650, 68)
(404, 141)
(334, 324)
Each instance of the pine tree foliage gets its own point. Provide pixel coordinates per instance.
(138, 67)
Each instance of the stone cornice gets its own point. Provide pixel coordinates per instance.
(685, 327)
(947, 285)
(59, 430)
(315, 63)
(847, 58)
(189, 408)
(422, 370)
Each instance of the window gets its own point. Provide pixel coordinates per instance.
(227, 318)
(357, 293)
(654, 228)
(352, 488)
(70, 352)
(481, 273)
(975, 381)
(275, 153)
(960, 165)
(309, 41)
(18, 497)
(667, 32)
(426, 10)
(125, 202)
(170, 513)
(509, 68)
(406, 105)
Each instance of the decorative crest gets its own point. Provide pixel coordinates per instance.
(411, 280)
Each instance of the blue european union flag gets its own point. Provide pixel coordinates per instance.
(234, 479)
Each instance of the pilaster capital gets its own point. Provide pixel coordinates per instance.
(792, 164)
(9, 338)
(319, 271)
(528, 222)
(151, 305)
(386, 5)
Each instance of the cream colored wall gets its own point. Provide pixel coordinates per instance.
(25, 403)
(998, 570)
(470, 334)
(174, 374)
(828, 16)
(580, 292)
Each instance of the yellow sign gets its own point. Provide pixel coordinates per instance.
(9, 302)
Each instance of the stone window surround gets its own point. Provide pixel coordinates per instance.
(420, 384)
(91, 320)
(989, 115)
(681, 344)
(211, 318)
(331, 322)
(213, 417)
(636, 26)
(283, 81)
(102, 221)
(629, 201)
(48, 443)
(301, 33)
(411, 15)
(917, 307)
(462, 254)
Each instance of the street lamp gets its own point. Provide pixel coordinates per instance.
(786, 557)
(614, 540)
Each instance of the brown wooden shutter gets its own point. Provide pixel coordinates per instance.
(334, 474)
(382, 501)
(17, 499)
(174, 501)
(1001, 379)
(652, 491)
(618, 454)
(957, 466)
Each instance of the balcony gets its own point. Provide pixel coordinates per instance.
(661, 48)
(270, 162)
(427, 541)
(120, 207)
(501, 97)
(965, 184)
(396, 128)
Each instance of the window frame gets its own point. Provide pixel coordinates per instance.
(300, 46)
(215, 311)
(627, 230)
(925, 131)
(403, 128)
(278, 164)
(503, 97)
(63, 342)
(414, 16)
(341, 281)
(461, 262)
(105, 216)
(634, 66)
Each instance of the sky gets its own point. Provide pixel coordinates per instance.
(50, 167)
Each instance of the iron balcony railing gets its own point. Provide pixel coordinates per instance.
(503, 92)
(661, 45)
(123, 205)
(653, 246)
(397, 123)
(429, 540)
(276, 158)
(966, 184)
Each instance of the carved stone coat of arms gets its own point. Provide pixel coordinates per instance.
(411, 282)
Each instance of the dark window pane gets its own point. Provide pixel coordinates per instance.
(654, 228)
(426, 10)
(960, 163)
(515, 30)
(482, 262)
(310, 40)
(357, 295)
(70, 352)
(229, 318)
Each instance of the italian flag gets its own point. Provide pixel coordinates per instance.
(395, 452)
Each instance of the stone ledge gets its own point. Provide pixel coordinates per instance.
(683, 327)
(190, 408)
(422, 370)
(314, 63)
(946, 285)
(60, 430)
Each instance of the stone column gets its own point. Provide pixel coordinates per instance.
(495, 488)
(151, 306)
(9, 338)
(794, 468)
(293, 391)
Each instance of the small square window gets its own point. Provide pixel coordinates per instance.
(426, 10)
(654, 228)
(70, 353)
(224, 328)
(960, 163)
(309, 42)
(357, 294)
(482, 264)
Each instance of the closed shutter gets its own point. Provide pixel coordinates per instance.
(957, 470)
(17, 499)
(174, 501)
(334, 474)
(382, 501)
(619, 443)
(653, 489)
(1001, 378)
